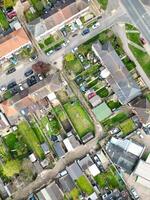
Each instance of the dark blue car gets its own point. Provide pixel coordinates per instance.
(86, 31)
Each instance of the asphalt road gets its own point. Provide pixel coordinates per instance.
(139, 16)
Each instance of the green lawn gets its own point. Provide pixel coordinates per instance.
(130, 27)
(52, 125)
(74, 194)
(115, 120)
(84, 184)
(103, 92)
(143, 59)
(103, 4)
(60, 113)
(12, 167)
(113, 104)
(49, 40)
(92, 83)
(130, 65)
(74, 65)
(3, 21)
(15, 145)
(134, 37)
(30, 16)
(127, 127)
(79, 118)
(148, 96)
(107, 179)
(30, 138)
(38, 5)
(38, 131)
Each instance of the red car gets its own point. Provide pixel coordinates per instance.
(91, 95)
(11, 14)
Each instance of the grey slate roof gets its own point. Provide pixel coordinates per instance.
(66, 183)
(142, 108)
(85, 162)
(59, 149)
(74, 171)
(52, 192)
(120, 80)
(121, 158)
(45, 147)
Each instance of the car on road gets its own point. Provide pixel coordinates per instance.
(74, 35)
(85, 31)
(11, 70)
(28, 73)
(11, 85)
(31, 80)
(58, 48)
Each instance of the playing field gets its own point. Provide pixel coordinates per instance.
(79, 118)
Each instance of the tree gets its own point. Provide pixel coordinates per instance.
(41, 67)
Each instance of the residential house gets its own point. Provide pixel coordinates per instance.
(52, 192)
(142, 171)
(85, 162)
(43, 27)
(45, 148)
(95, 101)
(87, 137)
(59, 149)
(71, 143)
(12, 43)
(4, 123)
(124, 153)
(141, 107)
(74, 171)
(119, 78)
(66, 183)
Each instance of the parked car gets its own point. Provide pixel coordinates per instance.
(11, 70)
(40, 77)
(86, 31)
(49, 52)
(31, 81)
(81, 57)
(11, 14)
(134, 194)
(3, 88)
(28, 73)
(11, 85)
(74, 35)
(96, 25)
(92, 94)
(33, 57)
(21, 87)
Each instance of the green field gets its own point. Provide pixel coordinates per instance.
(113, 104)
(84, 184)
(49, 40)
(134, 37)
(3, 21)
(38, 131)
(107, 179)
(16, 147)
(74, 194)
(53, 126)
(103, 92)
(74, 65)
(38, 5)
(114, 120)
(143, 59)
(127, 127)
(130, 27)
(130, 65)
(60, 113)
(79, 118)
(103, 4)
(12, 167)
(30, 138)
